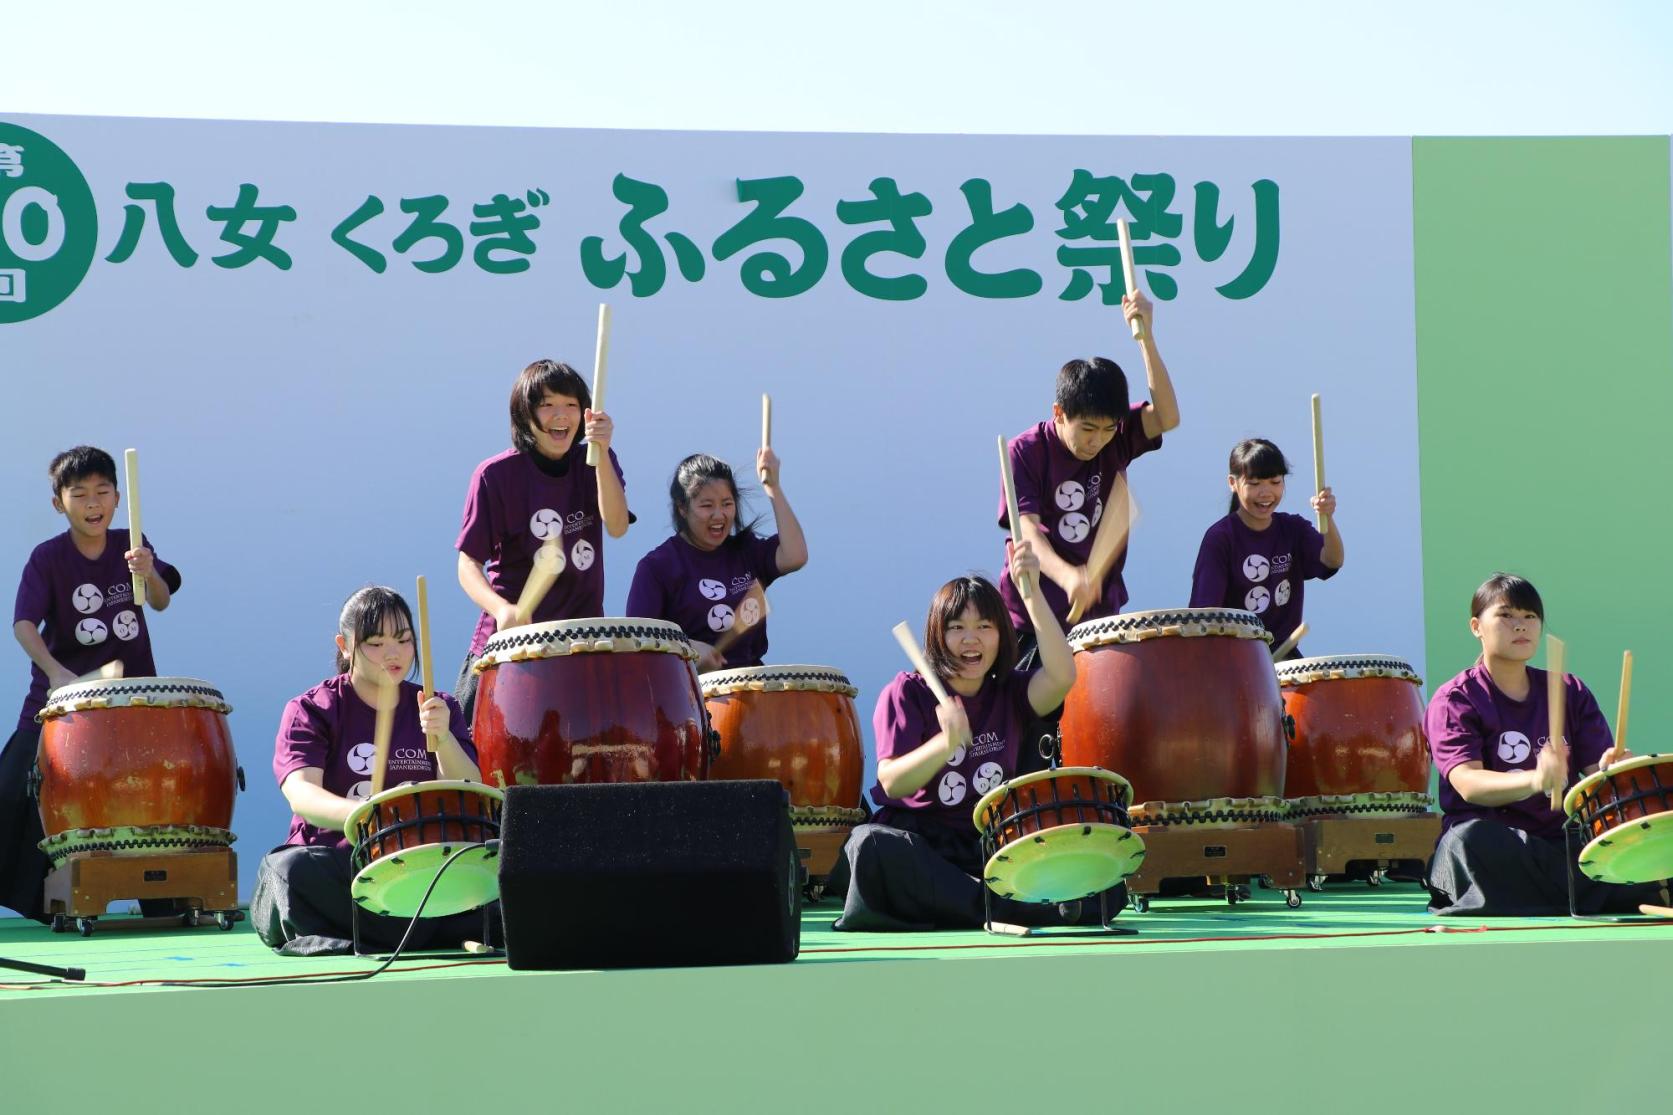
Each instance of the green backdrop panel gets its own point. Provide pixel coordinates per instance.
(1545, 382)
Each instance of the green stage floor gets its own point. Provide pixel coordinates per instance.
(1359, 991)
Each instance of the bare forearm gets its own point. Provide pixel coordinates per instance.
(452, 762)
(1057, 660)
(29, 637)
(157, 594)
(1051, 565)
(1492, 788)
(1163, 402)
(909, 773)
(612, 501)
(1333, 553)
(792, 544)
(317, 805)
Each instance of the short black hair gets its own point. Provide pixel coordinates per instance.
(689, 477)
(365, 615)
(84, 462)
(1095, 388)
(950, 602)
(1256, 459)
(535, 382)
(1507, 588)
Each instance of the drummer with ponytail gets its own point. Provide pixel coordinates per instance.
(322, 760)
(1502, 849)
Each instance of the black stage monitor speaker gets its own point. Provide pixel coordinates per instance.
(649, 874)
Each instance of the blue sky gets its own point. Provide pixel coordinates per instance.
(1215, 68)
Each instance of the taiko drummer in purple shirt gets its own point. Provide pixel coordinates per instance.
(1501, 850)
(323, 759)
(541, 488)
(917, 864)
(710, 575)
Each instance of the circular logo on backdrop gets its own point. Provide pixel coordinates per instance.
(87, 599)
(360, 758)
(711, 589)
(720, 618)
(988, 775)
(951, 790)
(49, 226)
(90, 632)
(1514, 747)
(581, 554)
(1070, 495)
(1074, 527)
(1257, 600)
(1255, 567)
(1281, 593)
(126, 626)
(545, 523)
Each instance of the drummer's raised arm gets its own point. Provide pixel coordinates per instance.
(1047, 688)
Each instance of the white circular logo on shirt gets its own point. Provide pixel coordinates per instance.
(126, 626)
(1070, 495)
(711, 589)
(749, 612)
(958, 756)
(1256, 567)
(90, 632)
(1257, 600)
(581, 554)
(1074, 527)
(360, 758)
(360, 791)
(1514, 747)
(988, 775)
(1281, 593)
(721, 618)
(951, 790)
(87, 599)
(544, 523)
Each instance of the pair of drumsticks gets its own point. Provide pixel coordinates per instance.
(389, 689)
(1556, 698)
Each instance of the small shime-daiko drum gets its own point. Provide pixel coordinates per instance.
(401, 837)
(135, 766)
(1357, 746)
(1058, 835)
(1184, 704)
(1626, 815)
(590, 700)
(795, 724)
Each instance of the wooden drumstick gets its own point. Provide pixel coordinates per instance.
(600, 359)
(1318, 463)
(1289, 644)
(382, 727)
(1555, 698)
(1626, 695)
(915, 655)
(426, 669)
(1656, 911)
(1120, 513)
(1025, 584)
(1127, 272)
(766, 425)
(740, 628)
(136, 534)
(548, 564)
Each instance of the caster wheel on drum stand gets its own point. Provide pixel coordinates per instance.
(60, 923)
(191, 918)
(1138, 903)
(1292, 899)
(1375, 879)
(85, 926)
(1315, 883)
(226, 919)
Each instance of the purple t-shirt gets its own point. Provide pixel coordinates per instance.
(1470, 719)
(87, 607)
(1260, 571)
(703, 590)
(905, 717)
(512, 507)
(1067, 494)
(331, 728)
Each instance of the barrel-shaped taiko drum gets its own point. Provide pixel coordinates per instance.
(1356, 734)
(1183, 704)
(593, 700)
(140, 765)
(796, 724)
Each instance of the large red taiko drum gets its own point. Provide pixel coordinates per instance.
(1356, 736)
(135, 765)
(1181, 703)
(589, 700)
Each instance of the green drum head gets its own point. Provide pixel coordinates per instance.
(393, 885)
(1639, 851)
(1064, 863)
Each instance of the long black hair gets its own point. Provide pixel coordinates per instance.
(689, 477)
